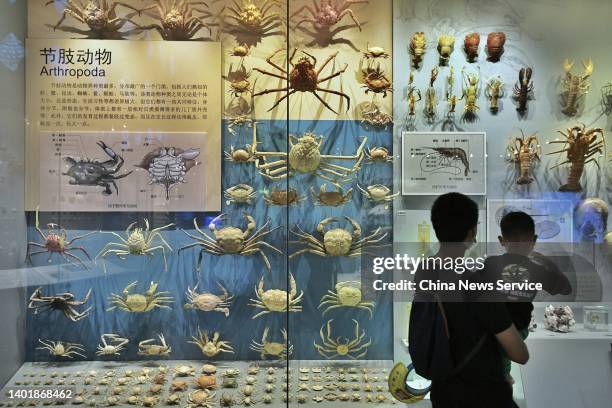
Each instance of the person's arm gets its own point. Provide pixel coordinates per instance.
(555, 283)
(513, 345)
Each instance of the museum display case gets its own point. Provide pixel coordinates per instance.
(192, 192)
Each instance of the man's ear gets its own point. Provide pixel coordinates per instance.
(471, 235)
(501, 239)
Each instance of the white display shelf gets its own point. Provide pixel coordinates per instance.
(578, 333)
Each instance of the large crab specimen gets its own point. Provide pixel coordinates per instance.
(347, 294)
(209, 302)
(167, 166)
(56, 241)
(303, 76)
(305, 157)
(201, 399)
(112, 344)
(178, 19)
(145, 348)
(99, 16)
(64, 302)
(338, 241)
(210, 347)
(140, 303)
(271, 348)
(277, 300)
(353, 349)
(251, 20)
(138, 241)
(61, 348)
(232, 240)
(86, 172)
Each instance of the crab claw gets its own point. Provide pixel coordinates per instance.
(321, 226)
(110, 152)
(250, 224)
(259, 289)
(567, 65)
(211, 225)
(588, 67)
(356, 228)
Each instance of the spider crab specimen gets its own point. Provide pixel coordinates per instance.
(303, 76)
(347, 294)
(116, 346)
(140, 303)
(337, 241)
(305, 157)
(277, 300)
(65, 302)
(61, 348)
(145, 348)
(327, 13)
(271, 348)
(99, 16)
(580, 145)
(211, 347)
(138, 241)
(331, 198)
(232, 240)
(353, 349)
(56, 241)
(208, 302)
(250, 21)
(177, 19)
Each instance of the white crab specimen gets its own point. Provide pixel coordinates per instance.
(353, 349)
(305, 157)
(277, 300)
(338, 241)
(111, 344)
(378, 193)
(378, 154)
(137, 241)
(201, 398)
(240, 193)
(272, 348)
(347, 294)
(145, 348)
(232, 240)
(61, 348)
(209, 302)
(140, 303)
(211, 347)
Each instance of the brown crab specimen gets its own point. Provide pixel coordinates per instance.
(99, 16)
(65, 302)
(210, 347)
(177, 19)
(303, 76)
(375, 80)
(209, 302)
(331, 198)
(285, 197)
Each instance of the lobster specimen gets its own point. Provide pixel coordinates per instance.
(575, 86)
(494, 91)
(523, 89)
(430, 96)
(450, 97)
(417, 48)
(495, 46)
(580, 146)
(302, 77)
(446, 45)
(450, 154)
(470, 94)
(414, 95)
(606, 98)
(524, 151)
(471, 42)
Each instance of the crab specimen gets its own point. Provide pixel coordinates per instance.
(331, 198)
(303, 76)
(211, 347)
(378, 154)
(374, 53)
(353, 349)
(238, 80)
(177, 19)
(227, 400)
(232, 240)
(271, 348)
(305, 157)
(145, 348)
(377, 193)
(56, 243)
(327, 13)
(138, 241)
(139, 303)
(174, 399)
(347, 294)
(184, 370)
(201, 398)
(86, 172)
(277, 300)
(337, 241)
(241, 155)
(250, 21)
(375, 80)
(61, 348)
(206, 382)
(374, 117)
(240, 193)
(283, 197)
(65, 302)
(150, 401)
(99, 16)
(167, 166)
(240, 50)
(208, 302)
(116, 346)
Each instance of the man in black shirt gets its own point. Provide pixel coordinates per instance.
(476, 329)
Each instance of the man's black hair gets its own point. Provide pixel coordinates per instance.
(516, 224)
(453, 215)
